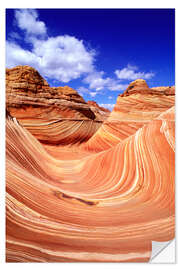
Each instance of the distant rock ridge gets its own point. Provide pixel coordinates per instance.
(94, 104)
(140, 86)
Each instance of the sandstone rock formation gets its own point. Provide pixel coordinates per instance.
(49, 113)
(104, 200)
(137, 106)
(100, 112)
(93, 103)
(103, 207)
(140, 86)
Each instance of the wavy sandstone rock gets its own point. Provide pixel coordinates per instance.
(137, 106)
(55, 115)
(107, 206)
(102, 201)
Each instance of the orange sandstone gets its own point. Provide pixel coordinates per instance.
(105, 200)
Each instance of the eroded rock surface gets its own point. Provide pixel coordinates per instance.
(102, 201)
(49, 113)
(103, 207)
(137, 106)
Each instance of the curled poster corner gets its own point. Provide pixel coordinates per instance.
(163, 252)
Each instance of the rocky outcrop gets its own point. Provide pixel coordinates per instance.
(93, 103)
(100, 112)
(26, 84)
(165, 90)
(137, 106)
(140, 86)
(49, 113)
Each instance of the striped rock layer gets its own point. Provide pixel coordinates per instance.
(104, 200)
(54, 115)
(137, 106)
(98, 207)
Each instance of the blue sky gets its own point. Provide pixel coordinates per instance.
(98, 52)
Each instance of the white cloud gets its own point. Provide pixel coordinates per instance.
(110, 97)
(14, 36)
(82, 90)
(129, 73)
(62, 58)
(15, 55)
(97, 82)
(107, 105)
(116, 86)
(93, 94)
(27, 19)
